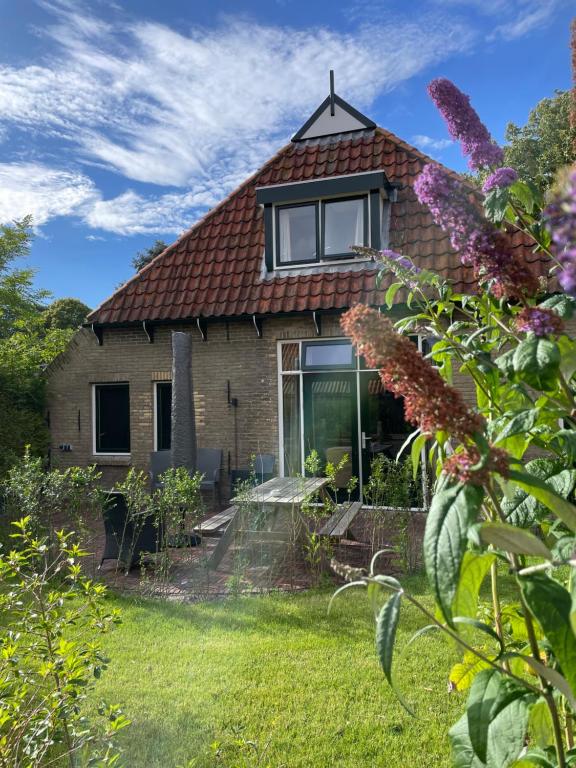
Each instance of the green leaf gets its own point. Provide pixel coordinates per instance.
(416, 453)
(512, 539)
(551, 606)
(540, 724)
(386, 626)
(561, 303)
(462, 750)
(505, 363)
(537, 362)
(496, 203)
(534, 758)
(391, 293)
(522, 192)
(524, 510)
(472, 573)
(521, 422)
(452, 512)
(497, 711)
(541, 491)
(463, 673)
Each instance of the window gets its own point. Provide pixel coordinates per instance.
(344, 223)
(297, 229)
(111, 418)
(324, 355)
(163, 416)
(310, 232)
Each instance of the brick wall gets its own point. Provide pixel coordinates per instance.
(232, 352)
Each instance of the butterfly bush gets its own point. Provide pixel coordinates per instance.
(464, 125)
(560, 216)
(504, 497)
(478, 243)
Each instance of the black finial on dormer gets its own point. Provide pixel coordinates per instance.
(332, 92)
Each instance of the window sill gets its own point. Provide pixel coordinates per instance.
(326, 262)
(112, 459)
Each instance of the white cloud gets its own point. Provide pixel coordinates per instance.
(131, 213)
(428, 143)
(196, 111)
(30, 188)
(517, 17)
(530, 16)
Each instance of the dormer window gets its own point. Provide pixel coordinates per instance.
(315, 222)
(320, 230)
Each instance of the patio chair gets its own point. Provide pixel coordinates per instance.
(209, 464)
(124, 542)
(263, 470)
(160, 461)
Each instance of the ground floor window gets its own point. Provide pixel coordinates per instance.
(112, 418)
(163, 417)
(333, 404)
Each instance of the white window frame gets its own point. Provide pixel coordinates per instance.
(107, 384)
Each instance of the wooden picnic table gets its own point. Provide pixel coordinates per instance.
(276, 498)
(292, 491)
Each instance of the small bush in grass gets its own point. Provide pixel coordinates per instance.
(50, 656)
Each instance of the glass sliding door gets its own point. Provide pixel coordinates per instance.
(383, 431)
(331, 423)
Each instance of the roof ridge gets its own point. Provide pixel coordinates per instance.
(202, 220)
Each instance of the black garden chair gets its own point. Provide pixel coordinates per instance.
(127, 541)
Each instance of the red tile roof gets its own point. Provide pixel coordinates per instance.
(215, 269)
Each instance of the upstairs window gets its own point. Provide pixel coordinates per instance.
(111, 418)
(323, 230)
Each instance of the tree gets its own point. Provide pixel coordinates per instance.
(65, 313)
(545, 144)
(19, 300)
(26, 347)
(144, 257)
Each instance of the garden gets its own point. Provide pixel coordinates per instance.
(471, 662)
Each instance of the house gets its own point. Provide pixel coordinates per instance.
(260, 283)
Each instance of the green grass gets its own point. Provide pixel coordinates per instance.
(276, 670)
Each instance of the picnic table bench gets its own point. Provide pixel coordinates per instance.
(215, 523)
(338, 525)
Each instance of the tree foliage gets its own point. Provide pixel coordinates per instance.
(545, 144)
(27, 345)
(144, 257)
(65, 313)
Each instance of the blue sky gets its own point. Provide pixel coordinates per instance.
(123, 121)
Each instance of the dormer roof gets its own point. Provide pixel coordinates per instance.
(333, 117)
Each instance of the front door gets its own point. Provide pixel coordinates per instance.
(331, 422)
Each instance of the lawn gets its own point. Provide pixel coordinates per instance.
(304, 687)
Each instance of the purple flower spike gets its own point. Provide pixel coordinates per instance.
(402, 261)
(478, 243)
(540, 321)
(501, 178)
(561, 219)
(464, 125)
